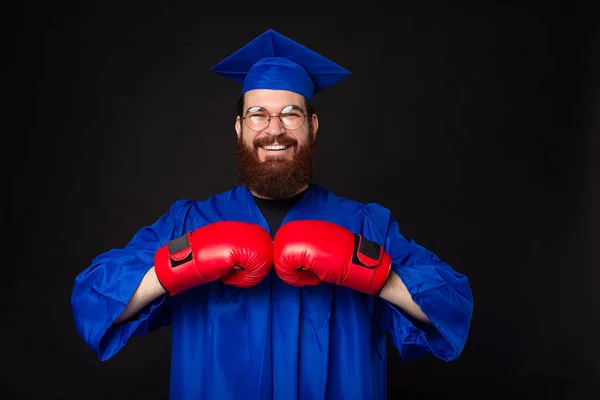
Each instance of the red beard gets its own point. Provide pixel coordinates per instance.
(275, 178)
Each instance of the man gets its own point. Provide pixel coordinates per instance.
(277, 288)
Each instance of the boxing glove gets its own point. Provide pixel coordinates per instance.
(308, 252)
(239, 253)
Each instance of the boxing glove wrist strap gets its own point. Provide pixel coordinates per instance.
(175, 266)
(370, 266)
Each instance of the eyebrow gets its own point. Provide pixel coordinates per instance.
(257, 108)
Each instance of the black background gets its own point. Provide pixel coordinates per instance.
(477, 127)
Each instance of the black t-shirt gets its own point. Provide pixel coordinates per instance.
(275, 211)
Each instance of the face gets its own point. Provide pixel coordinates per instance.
(275, 161)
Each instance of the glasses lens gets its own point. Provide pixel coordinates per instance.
(292, 118)
(257, 118)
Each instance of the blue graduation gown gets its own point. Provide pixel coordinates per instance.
(276, 341)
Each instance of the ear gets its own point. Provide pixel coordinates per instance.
(315, 124)
(238, 126)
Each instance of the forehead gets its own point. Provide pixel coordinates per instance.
(272, 100)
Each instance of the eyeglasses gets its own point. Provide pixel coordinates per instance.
(290, 117)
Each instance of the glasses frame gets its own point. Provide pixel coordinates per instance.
(278, 116)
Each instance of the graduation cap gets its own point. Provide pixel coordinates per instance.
(273, 61)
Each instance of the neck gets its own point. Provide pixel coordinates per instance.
(269, 198)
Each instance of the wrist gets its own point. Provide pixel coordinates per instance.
(154, 284)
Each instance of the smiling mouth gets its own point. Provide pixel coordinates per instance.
(277, 147)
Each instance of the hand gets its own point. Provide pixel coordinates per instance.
(309, 252)
(239, 253)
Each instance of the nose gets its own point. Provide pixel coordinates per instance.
(275, 127)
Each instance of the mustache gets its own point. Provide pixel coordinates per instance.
(271, 140)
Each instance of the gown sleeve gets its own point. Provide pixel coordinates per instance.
(442, 293)
(101, 291)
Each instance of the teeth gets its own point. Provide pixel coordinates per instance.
(278, 147)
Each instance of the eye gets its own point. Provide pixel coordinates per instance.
(292, 115)
(257, 116)
(257, 113)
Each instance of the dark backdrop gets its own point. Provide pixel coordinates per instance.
(478, 128)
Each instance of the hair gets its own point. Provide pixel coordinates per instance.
(310, 110)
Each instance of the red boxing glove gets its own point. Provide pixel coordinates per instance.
(211, 252)
(310, 252)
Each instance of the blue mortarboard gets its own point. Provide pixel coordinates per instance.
(273, 61)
